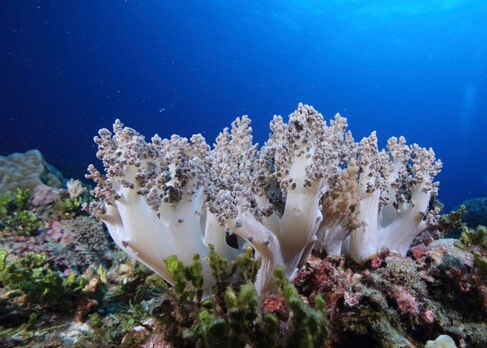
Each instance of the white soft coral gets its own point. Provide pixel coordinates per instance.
(274, 204)
(394, 194)
(154, 198)
(310, 184)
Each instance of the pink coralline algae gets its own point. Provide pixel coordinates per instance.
(406, 303)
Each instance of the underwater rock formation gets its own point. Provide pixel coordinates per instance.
(27, 171)
(476, 212)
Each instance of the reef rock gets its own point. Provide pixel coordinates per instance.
(27, 170)
(476, 212)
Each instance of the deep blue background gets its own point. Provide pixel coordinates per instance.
(414, 68)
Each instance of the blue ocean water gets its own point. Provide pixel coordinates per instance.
(414, 68)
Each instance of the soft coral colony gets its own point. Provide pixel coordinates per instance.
(310, 186)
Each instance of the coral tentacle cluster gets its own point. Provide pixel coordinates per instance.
(309, 186)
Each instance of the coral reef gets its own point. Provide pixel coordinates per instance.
(400, 301)
(234, 315)
(48, 265)
(51, 297)
(270, 279)
(63, 231)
